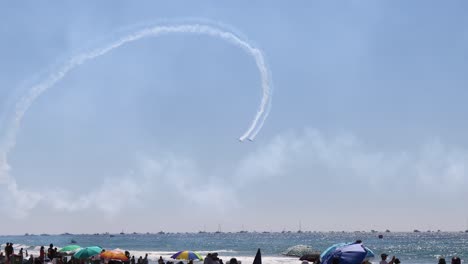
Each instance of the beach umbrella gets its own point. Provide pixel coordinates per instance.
(346, 254)
(114, 255)
(332, 248)
(369, 255)
(258, 258)
(87, 252)
(70, 248)
(187, 255)
(299, 251)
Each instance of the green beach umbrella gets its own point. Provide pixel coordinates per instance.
(70, 248)
(87, 252)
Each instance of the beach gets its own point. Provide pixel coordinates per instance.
(409, 247)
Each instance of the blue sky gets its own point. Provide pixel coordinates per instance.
(369, 104)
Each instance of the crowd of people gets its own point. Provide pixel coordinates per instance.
(394, 260)
(52, 255)
(212, 258)
(23, 257)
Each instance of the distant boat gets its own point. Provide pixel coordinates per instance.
(373, 231)
(73, 241)
(416, 231)
(242, 231)
(300, 228)
(466, 231)
(265, 232)
(387, 231)
(111, 235)
(27, 234)
(122, 233)
(201, 232)
(380, 236)
(219, 230)
(135, 233)
(161, 233)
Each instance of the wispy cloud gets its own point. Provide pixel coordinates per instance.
(313, 156)
(306, 158)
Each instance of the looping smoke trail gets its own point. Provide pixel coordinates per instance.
(261, 115)
(34, 92)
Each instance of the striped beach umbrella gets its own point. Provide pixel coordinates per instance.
(187, 255)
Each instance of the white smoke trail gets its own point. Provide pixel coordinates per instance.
(260, 117)
(153, 31)
(262, 121)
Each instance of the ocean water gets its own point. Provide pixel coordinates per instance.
(408, 247)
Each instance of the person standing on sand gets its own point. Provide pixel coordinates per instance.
(456, 260)
(31, 259)
(208, 259)
(160, 260)
(9, 250)
(42, 254)
(132, 260)
(215, 258)
(384, 259)
(50, 252)
(6, 250)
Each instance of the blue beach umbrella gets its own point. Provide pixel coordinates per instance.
(346, 253)
(332, 248)
(370, 254)
(87, 252)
